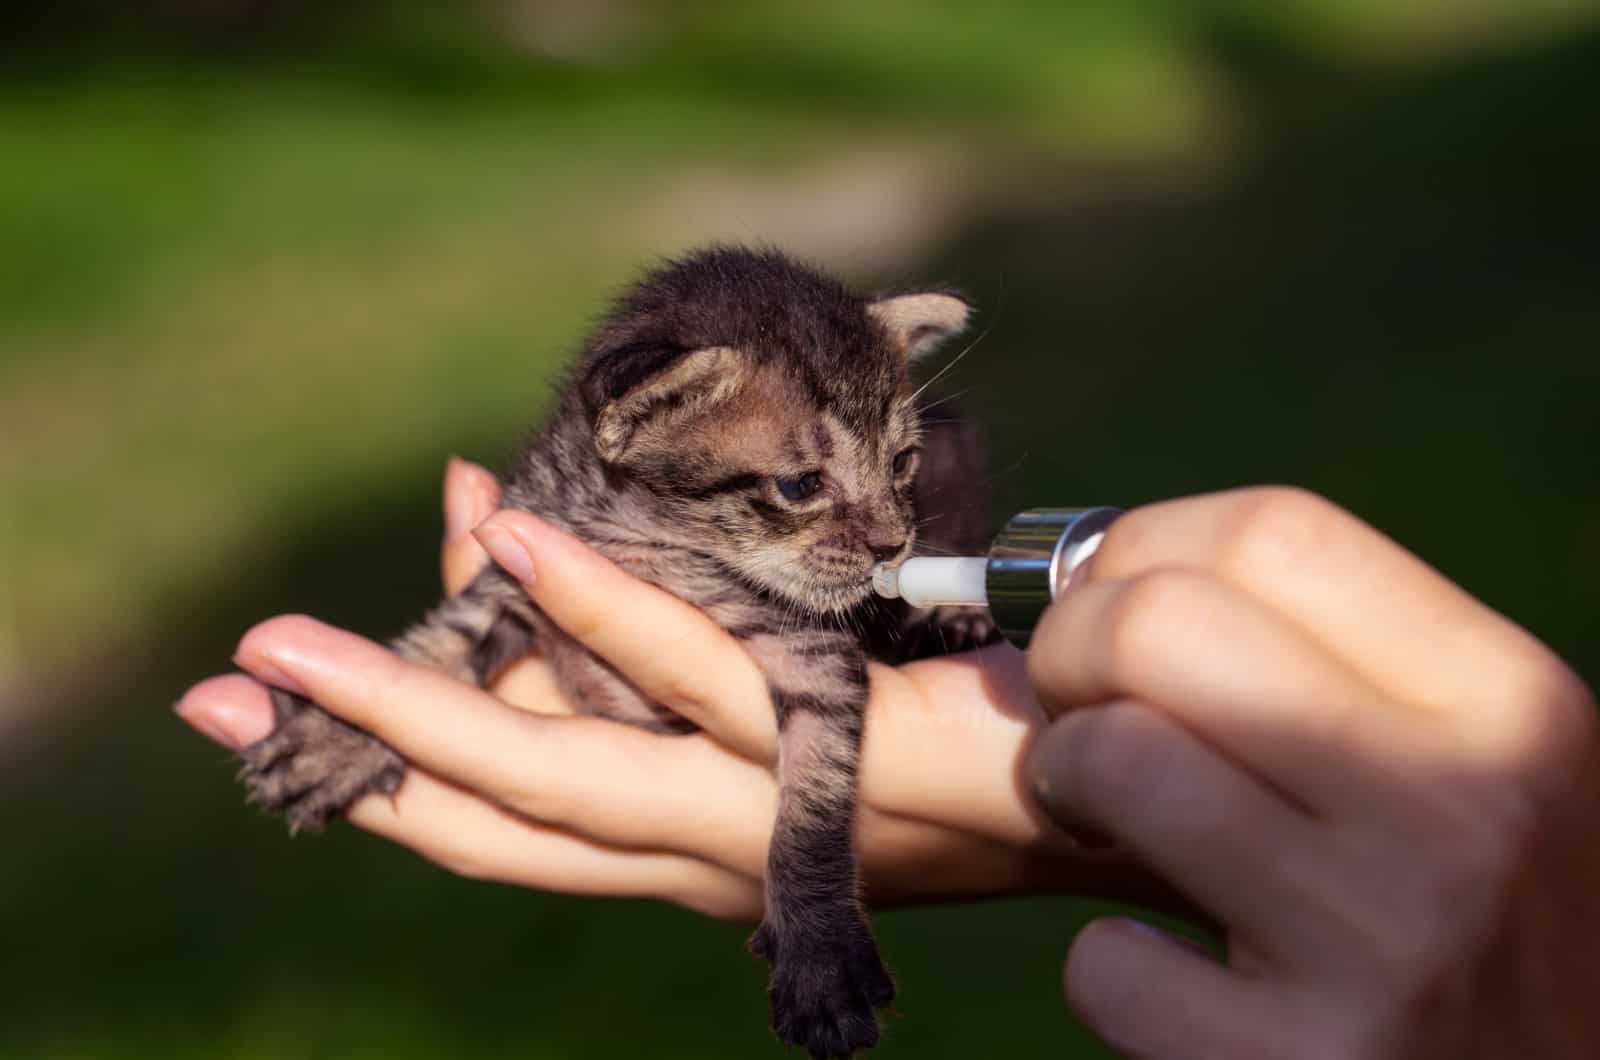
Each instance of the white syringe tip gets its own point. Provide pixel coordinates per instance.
(929, 581)
(886, 582)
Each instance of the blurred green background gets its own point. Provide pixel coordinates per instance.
(263, 267)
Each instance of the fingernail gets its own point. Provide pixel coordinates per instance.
(485, 494)
(1085, 835)
(506, 549)
(1079, 575)
(233, 725)
(226, 724)
(1139, 927)
(1048, 767)
(1155, 934)
(201, 722)
(460, 499)
(269, 671)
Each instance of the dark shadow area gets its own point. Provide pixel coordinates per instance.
(1394, 303)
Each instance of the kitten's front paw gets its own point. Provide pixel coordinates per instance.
(313, 766)
(823, 989)
(947, 630)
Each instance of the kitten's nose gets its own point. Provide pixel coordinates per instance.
(884, 553)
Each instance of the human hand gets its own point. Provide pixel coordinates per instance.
(1383, 791)
(512, 784)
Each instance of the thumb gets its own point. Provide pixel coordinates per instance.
(471, 495)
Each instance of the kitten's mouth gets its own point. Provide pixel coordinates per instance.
(836, 585)
(839, 596)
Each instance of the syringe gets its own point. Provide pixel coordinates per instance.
(1028, 564)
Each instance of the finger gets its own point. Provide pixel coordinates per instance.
(474, 838)
(530, 684)
(1222, 838)
(667, 647)
(902, 860)
(471, 495)
(943, 741)
(1235, 673)
(231, 710)
(913, 861)
(1152, 996)
(1409, 631)
(613, 783)
(943, 746)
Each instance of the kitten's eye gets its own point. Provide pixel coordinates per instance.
(800, 487)
(902, 459)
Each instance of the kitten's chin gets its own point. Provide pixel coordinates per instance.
(816, 594)
(832, 599)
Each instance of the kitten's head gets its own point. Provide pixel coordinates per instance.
(770, 410)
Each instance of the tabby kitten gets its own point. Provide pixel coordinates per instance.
(742, 432)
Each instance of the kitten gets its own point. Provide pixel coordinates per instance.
(743, 432)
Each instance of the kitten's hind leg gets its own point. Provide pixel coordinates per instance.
(827, 976)
(313, 766)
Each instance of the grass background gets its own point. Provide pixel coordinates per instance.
(262, 268)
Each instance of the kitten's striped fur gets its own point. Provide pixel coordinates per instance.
(715, 384)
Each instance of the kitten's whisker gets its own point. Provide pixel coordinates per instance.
(949, 365)
(940, 550)
(948, 397)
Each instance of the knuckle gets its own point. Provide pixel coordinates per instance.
(1506, 829)
(1564, 705)
(582, 622)
(534, 788)
(1338, 721)
(1140, 621)
(1413, 989)
(531, 797)
(1548, 734)
(462, 863)
(1272, 527)
(1469, 873)
(1126, 544)
(1412, 949)
(1481, 836)
(1450, 904)
(706, 897)
(676, 690)
(1509, 826)
(466, 868)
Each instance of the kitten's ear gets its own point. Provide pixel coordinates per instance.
(693, 383)
(918, 322)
